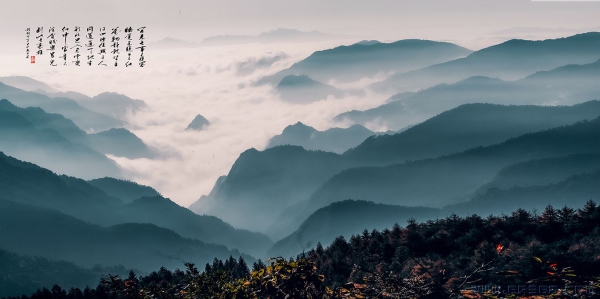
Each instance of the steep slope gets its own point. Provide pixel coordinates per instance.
(465, 127)
(566, 85)
(336, 140)
(511, 60)
(82, 117)
(271, 180)
(353, 62)
(121, 143)
(346, 218)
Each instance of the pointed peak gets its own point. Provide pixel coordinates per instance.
(198, 124)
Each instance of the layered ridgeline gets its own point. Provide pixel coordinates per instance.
(126, 191)
(472, 140)
(27, 184)
(33, 135)
(84, 118)
(345, 218)
(565, 181)
(565, 85)
(55, 142)
(335, 140)
(465, 127)
(360, 60)
(110, 104)
(34, 231)
(510, 60)
(447, 179)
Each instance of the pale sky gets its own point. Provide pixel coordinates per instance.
(192, 20)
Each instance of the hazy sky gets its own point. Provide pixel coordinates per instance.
(382, 19)
(178, 84)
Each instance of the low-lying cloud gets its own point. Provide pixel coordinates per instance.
(178, 84)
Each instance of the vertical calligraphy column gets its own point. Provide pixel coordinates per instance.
(128, 48)
(115, 44)
(40, 36)
(77, 46)
(102, 45)
(52, 45)
(142, 47)
(90, 44)
(65, 33)
(28, 33)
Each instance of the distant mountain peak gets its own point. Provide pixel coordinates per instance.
(198, 124)
(117, 132)
(300, 80)
(367, 42)
(298, 128)
(6, 102)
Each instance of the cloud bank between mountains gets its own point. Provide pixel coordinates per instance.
(215, 82)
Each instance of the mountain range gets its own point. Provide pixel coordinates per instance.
(360, 60)
(565, 85)
(84, 118)
(436, 163)
(467, 126)
(50, 234)
(511, 60)
(55, 142)
(33, 135)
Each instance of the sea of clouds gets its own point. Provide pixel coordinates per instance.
(216, 82)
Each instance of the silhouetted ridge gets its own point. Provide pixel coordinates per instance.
(126, 191)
